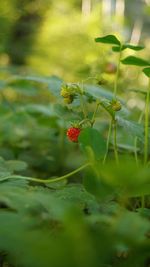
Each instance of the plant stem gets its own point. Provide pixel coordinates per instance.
(136, 139)
(146, 143)
(49, 180)
(115, 95)
(117, 75)
(94, 114)
(115, 142)
(62, 145)
(82, 102)
(108, 141)
(146, 137)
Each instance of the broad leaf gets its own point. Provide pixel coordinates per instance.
(125, 46)
(132, 47)
(108, 39)
(90, 137)
(97, 92)
(96, 187)
(147, 72)
(136, 61)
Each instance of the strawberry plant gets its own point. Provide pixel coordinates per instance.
(74, 171)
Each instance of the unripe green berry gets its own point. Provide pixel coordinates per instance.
(64, 92)
(116, 105)
(69, 99)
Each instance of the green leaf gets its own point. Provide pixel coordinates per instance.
(132, 47)
(108, 39)
(116, 48)
(90, 137)
(147, 72)
(125, 46)
(97, 92)
(53, 82)
(16, 165)
(136, 61)
(132, 127)
(46, 110)
(96, 187)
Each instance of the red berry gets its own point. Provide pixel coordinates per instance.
(73, 134)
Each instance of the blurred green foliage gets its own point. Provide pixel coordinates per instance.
(97, 218)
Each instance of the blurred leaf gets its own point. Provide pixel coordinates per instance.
(24, 87)
(145, 212)
(147, 72)
(136, 61)
(46, 110)
(132, 127)
(90, 137)
(131, 228)
(97, 92)
(108, 39)
(54, 83)
(97, 187)
(16, 165)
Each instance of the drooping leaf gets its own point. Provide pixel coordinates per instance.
(108, 39)
(133, 47)
(147, 72)
(136, 61)
(97, 91)
(130, 46)
(90, 137)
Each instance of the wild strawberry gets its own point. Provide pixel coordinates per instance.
(73, 134)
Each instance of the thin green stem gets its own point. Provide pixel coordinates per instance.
(117, 75)
(83, 107)
(115, 95)
(115, 142)
(108, 141)
(136, 139)
(135, 150)
(62, 145)
(49, 180)
(146, 137)
(146, 143)
(94, 114)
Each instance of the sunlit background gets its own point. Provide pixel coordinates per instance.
(56, 37)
